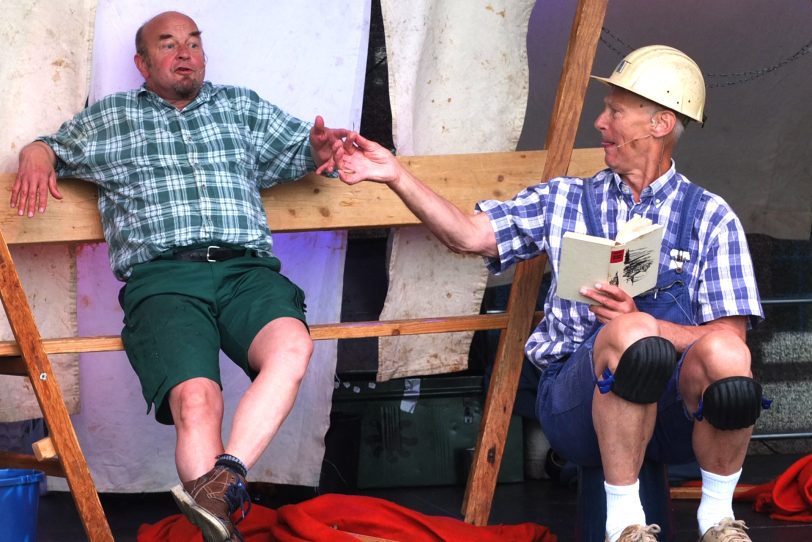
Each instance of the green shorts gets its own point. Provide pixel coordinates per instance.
(178, 315)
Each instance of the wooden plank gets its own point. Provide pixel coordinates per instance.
(51, 402)
(13, 365)
(501, 395)
(318, 203)
(695, 492)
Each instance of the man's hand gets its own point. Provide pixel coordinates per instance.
(321, 144)
(35, 179)
(358, 159)
(612, 301)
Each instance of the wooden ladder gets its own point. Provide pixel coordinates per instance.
(34, 363)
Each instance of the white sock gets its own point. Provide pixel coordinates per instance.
(623, 508)
(717, 499)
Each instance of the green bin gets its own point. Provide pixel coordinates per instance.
(421, 431)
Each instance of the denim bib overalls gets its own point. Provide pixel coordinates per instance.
(565, 394)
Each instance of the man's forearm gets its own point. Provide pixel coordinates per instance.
(460, 232)
(684, 336)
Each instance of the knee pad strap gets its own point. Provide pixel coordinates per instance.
(732, 403)
(643, 371)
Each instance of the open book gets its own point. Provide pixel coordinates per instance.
(629, 262)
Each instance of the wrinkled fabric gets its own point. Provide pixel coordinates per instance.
(322, 518)
(788, 497)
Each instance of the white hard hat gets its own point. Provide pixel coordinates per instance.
(665, 76)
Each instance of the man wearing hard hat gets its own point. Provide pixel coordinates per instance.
(664, 375)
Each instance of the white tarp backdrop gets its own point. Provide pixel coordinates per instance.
(26, 111)
(457, 84)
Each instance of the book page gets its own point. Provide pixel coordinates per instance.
(635, 227)
(584, 261)
(637, 272)
(587, 260)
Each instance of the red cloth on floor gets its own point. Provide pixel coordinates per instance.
(317, 519)
(788, 497)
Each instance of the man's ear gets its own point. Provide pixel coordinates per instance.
(663, 122)
(142, 64)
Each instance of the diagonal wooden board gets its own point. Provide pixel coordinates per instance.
(586, 29)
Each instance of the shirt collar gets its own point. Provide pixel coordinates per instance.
(659, 190)
(206, 92)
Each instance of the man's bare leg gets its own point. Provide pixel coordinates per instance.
(280, 354)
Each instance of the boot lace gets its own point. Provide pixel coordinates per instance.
(237, 498)
(731, 530)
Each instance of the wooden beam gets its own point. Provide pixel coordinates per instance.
(318, 203)
(13, 364)
(51, 467)
(498, 407)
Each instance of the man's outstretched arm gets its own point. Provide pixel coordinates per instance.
(358, 159)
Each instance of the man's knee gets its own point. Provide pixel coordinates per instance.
(284, 340)
(618, 335)
(722, 353)
(195, 400)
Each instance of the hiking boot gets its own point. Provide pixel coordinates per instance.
(727, 530)
(639, 533)
(209, 502)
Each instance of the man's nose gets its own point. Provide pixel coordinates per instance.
(184, 51)
(600, 121)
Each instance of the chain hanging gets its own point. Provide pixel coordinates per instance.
(743, 77)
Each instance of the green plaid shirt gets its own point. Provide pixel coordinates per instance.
(170, 178)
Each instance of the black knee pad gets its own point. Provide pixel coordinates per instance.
(643, 371)
(732, 403)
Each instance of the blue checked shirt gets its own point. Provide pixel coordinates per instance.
(170, 178)
(721, 278)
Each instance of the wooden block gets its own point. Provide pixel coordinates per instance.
(44, 449)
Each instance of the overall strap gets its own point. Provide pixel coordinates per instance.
(687, 214)
(591, 216)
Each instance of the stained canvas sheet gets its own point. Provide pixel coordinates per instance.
(26, 68)
(291, 54)
(458, 84)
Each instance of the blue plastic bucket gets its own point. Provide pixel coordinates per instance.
(19, 503)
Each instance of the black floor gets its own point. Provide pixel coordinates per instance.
(540, 501)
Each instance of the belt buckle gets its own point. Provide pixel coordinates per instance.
(208, 253)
